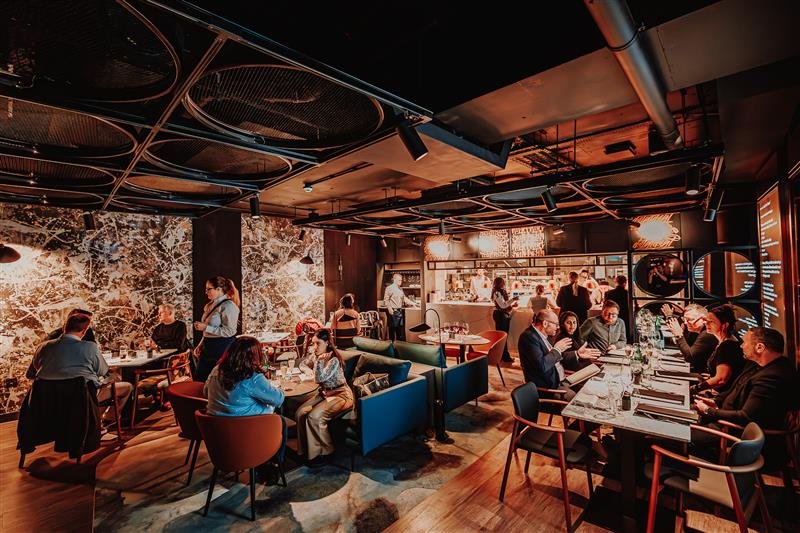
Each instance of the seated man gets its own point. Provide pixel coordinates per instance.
(695, 343)
(70, 357)
(169, 334)
(607, 331)
(541, 361)
(763, 392)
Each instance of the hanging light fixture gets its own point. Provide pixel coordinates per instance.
(307, 260)
(383, 242)
(558, 230)
(549, 201)
(713, 205)
(441, 227)
(693, 181)
(412, 141)
(255, 207)
(8, 254)
(349, 239)
(89, 222)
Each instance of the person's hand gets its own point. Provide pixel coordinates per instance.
(675, 327)
(584, 352)
(200, 326)
(703, 404)
(563, 344)
(667, 310)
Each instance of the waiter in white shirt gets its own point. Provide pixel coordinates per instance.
(480, 287)
(393, 299)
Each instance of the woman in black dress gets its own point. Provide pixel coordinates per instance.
(503, 307)
(727, 360)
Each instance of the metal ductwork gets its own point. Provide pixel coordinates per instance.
(625, 40)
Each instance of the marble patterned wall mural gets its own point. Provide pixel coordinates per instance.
(121, 271)
(277, 289)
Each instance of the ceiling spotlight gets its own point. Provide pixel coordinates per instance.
(412, 141)
(302, 235)
(693, 181)
(35, 150)
(416, 242)
(383, 242)
(308, 187)
(89, 222)
(549, 201)
(714, 203)
(349, 239)
(44, 199)
(8, 254)
(31, 178)
(307, 259)
(255, 207)
(558, 230)
(441, 227)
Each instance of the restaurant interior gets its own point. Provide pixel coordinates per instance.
(397, 207)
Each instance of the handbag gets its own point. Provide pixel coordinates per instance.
(369, 383)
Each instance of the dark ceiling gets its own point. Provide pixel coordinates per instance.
(171, 107)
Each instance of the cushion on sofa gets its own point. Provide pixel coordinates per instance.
(379, 364)
(375, 346)
(426, 354)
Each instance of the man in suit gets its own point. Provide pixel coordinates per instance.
(70, 356)
(541, 361)
(764, 392)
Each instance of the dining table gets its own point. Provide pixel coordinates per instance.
(660, 408)
(134, 358)
(462, 341)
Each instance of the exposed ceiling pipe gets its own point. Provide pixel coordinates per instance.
(625, 40)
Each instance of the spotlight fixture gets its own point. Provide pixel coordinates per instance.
(441, 227)
(255, 207)
(558, 230)
(306, 260)
(416, 242)
(44, 199)
(302, 235)
(412, 141)
(35, 150)
(89, 222)
(549, 201)
(634, 223)
(713, 205)
(8, 254)
(349, 239)
(693, 181)
(308, 187)
(384, 244)
(32, 178)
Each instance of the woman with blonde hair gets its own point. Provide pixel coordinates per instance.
(218, 324)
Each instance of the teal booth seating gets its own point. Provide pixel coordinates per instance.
(385, 415)
(449, 387)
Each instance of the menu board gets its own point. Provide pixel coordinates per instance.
(773, 303)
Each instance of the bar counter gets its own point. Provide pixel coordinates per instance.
(479, 317)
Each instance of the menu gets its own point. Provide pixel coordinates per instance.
(770, 246)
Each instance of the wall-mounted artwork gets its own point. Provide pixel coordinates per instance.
(527, 242)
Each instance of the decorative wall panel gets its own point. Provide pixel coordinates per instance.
(277, 289)
(121, 272)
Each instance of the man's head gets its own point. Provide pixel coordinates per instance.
(397, 279)
(77, 324)
(480, 272)
(584, 275)
(762, 345)
(610, 312)
(573, 277)
(166, 313)
(694, 316)
(622, 281)
(546, 321)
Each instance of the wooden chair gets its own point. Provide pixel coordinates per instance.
(114, 403)
(493, 350)
(186, 398)
(237, 443)
(176, 365)
(566, 446)
(737, 484)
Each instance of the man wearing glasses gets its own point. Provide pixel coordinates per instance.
(607, 331)
(695, 343)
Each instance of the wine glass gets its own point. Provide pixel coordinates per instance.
(466, 328)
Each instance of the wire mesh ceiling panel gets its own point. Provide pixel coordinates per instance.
(219, 160)
(38, 129)
(285, 105)
(97, 50)
(50, 174)
(30, 195)
(174, 187)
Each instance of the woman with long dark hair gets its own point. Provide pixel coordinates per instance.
(219, 322)
(346, 322)
(503, 307)
(333, 397)
(579, 355)
(727, 359)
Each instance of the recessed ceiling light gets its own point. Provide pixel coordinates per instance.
(308, 187)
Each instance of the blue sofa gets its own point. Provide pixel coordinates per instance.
(449, 387)
(386, 415)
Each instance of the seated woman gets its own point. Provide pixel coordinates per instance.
(568, 329)
(236, 387)
(345, 323)
(539, 301)
(333, 397)
(727, 359)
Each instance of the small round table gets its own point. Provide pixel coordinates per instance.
(461, 340)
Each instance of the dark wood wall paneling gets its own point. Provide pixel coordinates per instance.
(216, 251)
(358, 270)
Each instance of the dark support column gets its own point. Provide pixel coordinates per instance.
(216, 251)
(358, 270)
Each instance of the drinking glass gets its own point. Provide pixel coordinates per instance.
(466, 328)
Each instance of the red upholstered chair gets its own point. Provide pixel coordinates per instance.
(493, 350)
(186, 398)
(239, 442)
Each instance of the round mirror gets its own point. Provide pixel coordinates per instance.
(724, 274)
(660, 274)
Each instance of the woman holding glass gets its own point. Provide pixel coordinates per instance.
(218, 324)
(333, 397)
